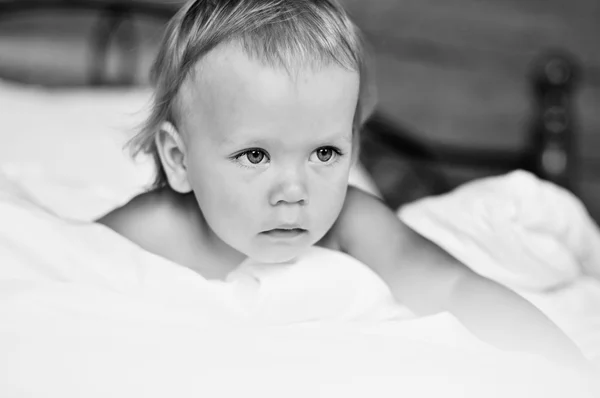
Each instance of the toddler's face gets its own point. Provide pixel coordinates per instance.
(268, 153)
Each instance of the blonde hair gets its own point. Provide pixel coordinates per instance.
(281, 33)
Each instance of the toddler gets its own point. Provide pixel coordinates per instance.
(256, 114)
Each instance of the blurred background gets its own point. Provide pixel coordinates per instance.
(465, 88)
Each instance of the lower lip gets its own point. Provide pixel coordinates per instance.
(285, 234)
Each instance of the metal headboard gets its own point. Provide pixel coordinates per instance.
(113, 15)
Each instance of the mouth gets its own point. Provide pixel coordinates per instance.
(285, 233)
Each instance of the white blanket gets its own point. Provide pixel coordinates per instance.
(527, 234)
(85, 312)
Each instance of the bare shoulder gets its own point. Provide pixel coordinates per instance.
(364, 216)
(142, 219)
(370, 231)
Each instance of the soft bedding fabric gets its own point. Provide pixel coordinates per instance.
(84, 312)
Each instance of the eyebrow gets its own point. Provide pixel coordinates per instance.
(259, 141)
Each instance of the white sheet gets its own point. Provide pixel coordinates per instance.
(527, 234)
(84, 312)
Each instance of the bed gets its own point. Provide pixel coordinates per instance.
(70, 98)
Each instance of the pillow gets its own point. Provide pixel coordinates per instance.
(74, 137)
(74, 133)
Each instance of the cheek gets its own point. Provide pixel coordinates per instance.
(224, 197)
(215, 192)
(328, 195)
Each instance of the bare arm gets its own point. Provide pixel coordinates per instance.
(428, 280)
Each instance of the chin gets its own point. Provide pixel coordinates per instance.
(277, 255)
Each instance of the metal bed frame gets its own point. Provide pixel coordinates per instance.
(548, 154)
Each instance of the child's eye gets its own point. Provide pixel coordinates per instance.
(325, 154)
(255, 156)
(251, 157)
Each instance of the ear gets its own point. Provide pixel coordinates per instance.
(172, 152)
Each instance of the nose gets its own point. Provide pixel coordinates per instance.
(290, 188)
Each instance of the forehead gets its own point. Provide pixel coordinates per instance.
(228, 89)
